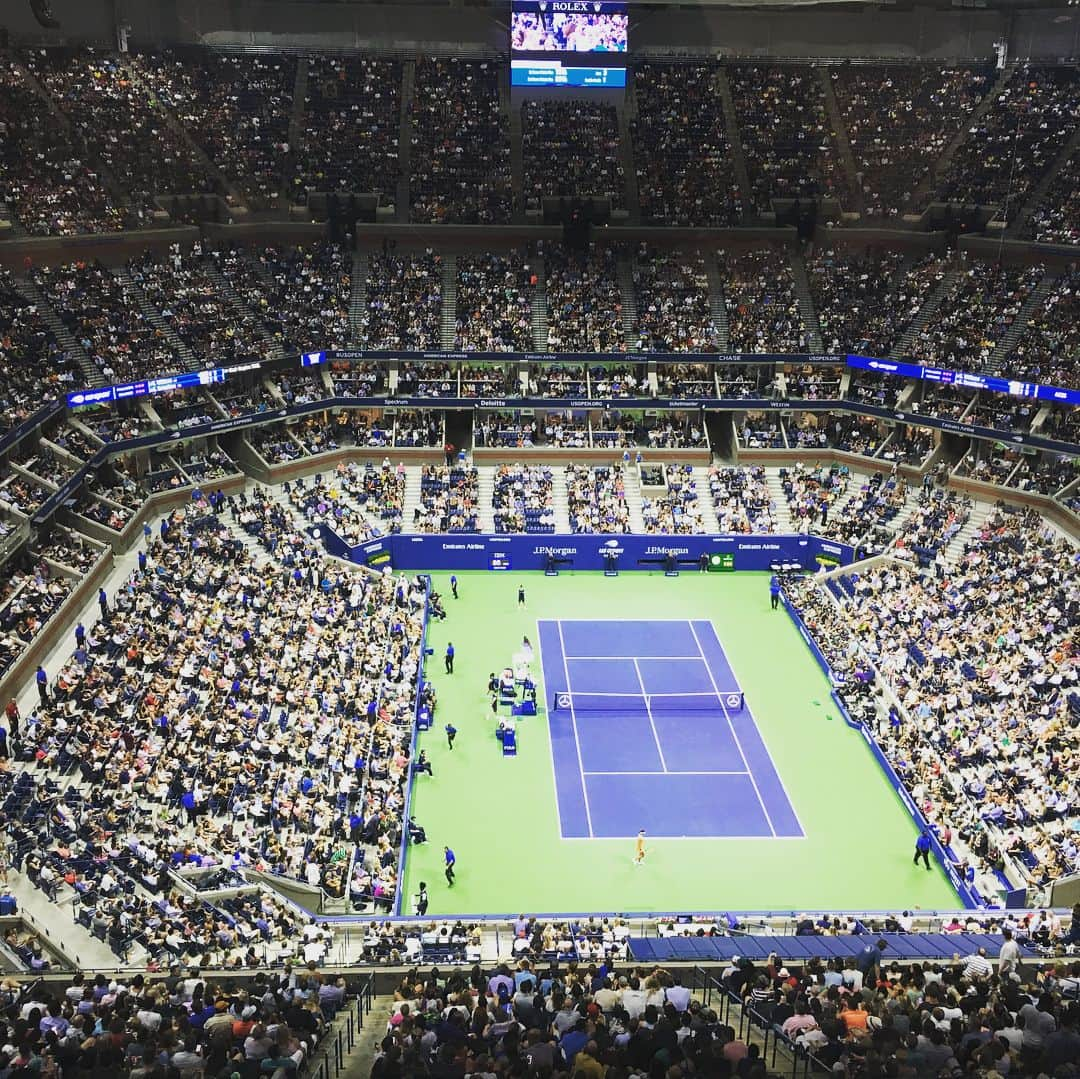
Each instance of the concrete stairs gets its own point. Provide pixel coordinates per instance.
(296, 128)
(624, 276)
(999, 357)
(843, 143)
(405, 130)
(806, 301)
(717, 306)
(512, 113)
(932, 180)
(734, 137)
(66, 339)
(632, 484)
(540, 306)
(926, 314)
(486, 485)
(225, 290)
(781, 513)
(410, 502)
(155, 318)
(705, 502)
(626, 154)
(560, 503)
(955, 547)
(14, 231)
(1038, 192)
(358, 295)
(911, 504)
(448, 316)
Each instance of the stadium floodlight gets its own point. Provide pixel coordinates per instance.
(43, 13)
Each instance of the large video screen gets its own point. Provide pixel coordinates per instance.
(542, 26)
(568, 42)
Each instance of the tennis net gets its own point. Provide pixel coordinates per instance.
(579, 702)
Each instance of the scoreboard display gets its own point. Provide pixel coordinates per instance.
(722, 562)
(579, 43)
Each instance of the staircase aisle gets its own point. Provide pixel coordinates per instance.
(405, 131)
(512, 113)
(806, 301)
(843, 143)
(225, 290)
(998, 358)
(624, 275)
(705, 502)
(154, 317)
(717, 305)
(540, 306)
(66, 339)
(734, 137)
(955, 547)
(358, 295)
(410, 502)
(448, 315)
(626, 152)
(560, 502)
(632, 482)
(296, 129)
(486, 484)
(781, 511)
(971, 124)
(926, 313)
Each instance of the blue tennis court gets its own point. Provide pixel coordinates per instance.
(650, 729)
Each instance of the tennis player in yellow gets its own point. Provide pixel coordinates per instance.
(639, 848)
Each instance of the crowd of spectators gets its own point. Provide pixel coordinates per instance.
(899, 118)
(48, 176)
(404, 301)
(762, 308)
(979, 307)
(786, 137)
(489, 380)
(686, 380)
(127, 129)
(1016, 141)
(31, 594)
(35, 368)
(558, 380)
(584, 303)
(859, 300)
(674, 312)
(1048, 350)
(300, 293)
(352, 119)
(742, 499)
(981, 660)
(1056, 217)
(596, 499)
(180, 287)
(933, 523)
(494, 304)
(236, 107)
(449, 497)
(103, 314)
(522, 499)
(675, 511)
(570, 149)
(509, 429)
(460, 161)
(682, 151)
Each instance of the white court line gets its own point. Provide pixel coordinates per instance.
(648, 712)
(676, 773)
(551, 749)
(731, 727)
(698, 658)
(573, 723)
(690, 838)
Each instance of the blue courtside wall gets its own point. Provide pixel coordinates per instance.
(967, 895)
(472, 551)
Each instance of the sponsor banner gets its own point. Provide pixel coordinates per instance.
(587, 551)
